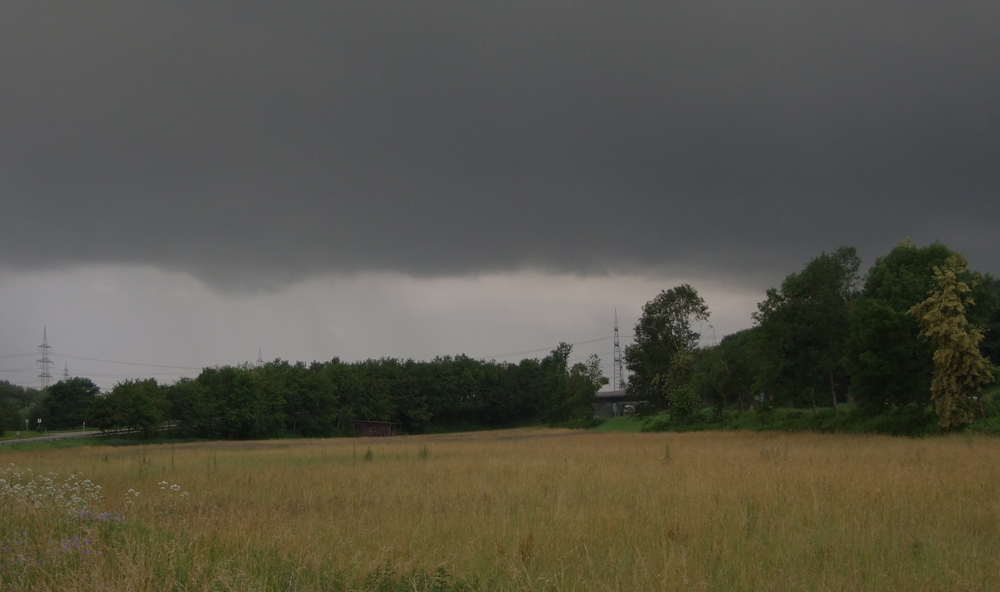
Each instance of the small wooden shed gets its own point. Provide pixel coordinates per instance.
(378, 429)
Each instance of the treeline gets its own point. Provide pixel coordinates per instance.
(320, 399)
(919, 333)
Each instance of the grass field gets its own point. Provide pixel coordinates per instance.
(527, 509)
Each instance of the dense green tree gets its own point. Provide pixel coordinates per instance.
(370, 390)
(726, 374)
(38, 411)
(189, 408)
(131, 405)
(585, 379)
(68, 402)
(804, 327)
(960, 370)
(17, 401)
(567, 392)
(233, 401)
(888, 363)
(664, 340)
(275, 383)
(555, 369)
(321, 399)
(986, 314)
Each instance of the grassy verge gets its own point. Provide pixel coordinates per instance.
(903, 421)
(911, 420)
(620, 424)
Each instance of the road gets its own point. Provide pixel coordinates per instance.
(59, 436)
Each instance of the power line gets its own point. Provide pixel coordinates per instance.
(543, 349)
(132, 363)
(107, 374)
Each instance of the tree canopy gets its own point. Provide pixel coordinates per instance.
(68, 401)
(659, 359)
(804, 327)
(960, 370)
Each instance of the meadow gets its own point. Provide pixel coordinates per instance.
(527, 509)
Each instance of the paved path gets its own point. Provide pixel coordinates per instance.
(59, 436)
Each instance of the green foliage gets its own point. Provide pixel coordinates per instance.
(664, 338)
(622, 423)
(569, 391)
(804, 328)
(131, 405)
(726, 374)
(68, 402)
(986, 314)
(684, 404)
(585, 379)
(189, 408)
(888, 363)
(17, 402)
(321, 399)
(960, 370)
(345, 425)
(909, 420)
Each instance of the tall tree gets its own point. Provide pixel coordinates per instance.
(960, 370)
(805, 325)
(986, 313)
(888, 363)
(555, 367)
(189, 408)
(726, 374)
(664, 339)
(68, 401)
(131, 404)
(585, 379)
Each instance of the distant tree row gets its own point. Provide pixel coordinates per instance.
(918, 330)
(321, 399)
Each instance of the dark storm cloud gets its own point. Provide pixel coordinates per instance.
(252, 142)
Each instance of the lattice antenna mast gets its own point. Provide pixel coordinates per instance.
(617, 376)
(44, 362)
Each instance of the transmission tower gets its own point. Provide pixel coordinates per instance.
(45, 377)
(617, 376)
(260, 357)
(65, 371)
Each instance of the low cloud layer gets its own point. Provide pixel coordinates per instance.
(255, 144)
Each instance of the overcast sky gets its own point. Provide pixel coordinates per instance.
(183, 183)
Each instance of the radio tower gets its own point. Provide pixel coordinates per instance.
(617, 376)
(45, 378)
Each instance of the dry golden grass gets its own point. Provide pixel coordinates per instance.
(531, 509)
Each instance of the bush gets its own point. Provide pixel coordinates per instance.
(684, 404)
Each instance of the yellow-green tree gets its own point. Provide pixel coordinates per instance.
(960, 370)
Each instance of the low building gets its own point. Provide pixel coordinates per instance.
(609, 403)
(376, 429)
